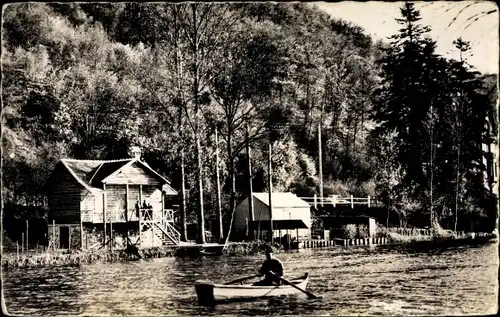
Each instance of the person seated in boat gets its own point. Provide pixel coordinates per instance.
(270, 265)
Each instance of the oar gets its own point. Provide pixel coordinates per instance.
(309, 294)
(242, 279)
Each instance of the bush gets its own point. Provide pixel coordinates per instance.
(381, 231)
(363, 232)
(349, 231)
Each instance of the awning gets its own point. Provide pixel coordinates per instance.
(278, 224)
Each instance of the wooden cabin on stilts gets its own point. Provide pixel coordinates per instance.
(110, 203)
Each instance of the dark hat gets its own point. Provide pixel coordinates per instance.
(269, 251)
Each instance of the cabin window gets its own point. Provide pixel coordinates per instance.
(64, 237)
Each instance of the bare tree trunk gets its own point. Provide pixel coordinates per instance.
(457, 190)
(320, 166)
(388, 210)
(180, 94)
(183, 199)
(195, 47)
(232, 180)
(219, 231)
(270, 184)
(250, 189)
(232, 203)
(199, 176)
(431, 165)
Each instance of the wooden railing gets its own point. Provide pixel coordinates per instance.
(146, 214)
(337, 200)
(169, 230)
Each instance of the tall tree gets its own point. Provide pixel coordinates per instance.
(250, 64)
(408, 101)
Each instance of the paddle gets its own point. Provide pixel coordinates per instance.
(309, 294)
(242, 279)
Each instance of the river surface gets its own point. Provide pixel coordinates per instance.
(352, 281)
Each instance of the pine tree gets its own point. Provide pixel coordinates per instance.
(409, 101)
(465, 124)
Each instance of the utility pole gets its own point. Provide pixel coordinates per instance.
(220, 234)
(250, 188)
(270, 183)
(320, 154)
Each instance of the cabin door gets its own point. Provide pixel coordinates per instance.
(64, 237)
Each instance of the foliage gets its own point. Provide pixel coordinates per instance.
(88, 80)
(431, 115)
(349, 231)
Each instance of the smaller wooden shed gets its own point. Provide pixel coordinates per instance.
(290, 214)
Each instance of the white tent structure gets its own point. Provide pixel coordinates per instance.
(290, 214)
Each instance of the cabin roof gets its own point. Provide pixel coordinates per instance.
(92, 174)
(104, 170)
(282, 200)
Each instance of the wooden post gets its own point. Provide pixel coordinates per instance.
(140, 196)
(352, 201)
(297, 233)
(111, 231)
(368, 201)
(334, 201)
(270, 183)
(140, 214)
(81, 231)
(17, 250)
(126, 212)
(69, 237)
(315, 202)
(250, 186)
(53, 234)
(22, 242)
(288, 239)
(162, 208)
(27, 240)
(104, 211)
(126, 201)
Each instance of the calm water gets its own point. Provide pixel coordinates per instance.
(363, 280)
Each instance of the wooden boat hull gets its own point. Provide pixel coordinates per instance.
(208, 293)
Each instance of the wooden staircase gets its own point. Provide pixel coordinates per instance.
(168, 236)
(161, 226)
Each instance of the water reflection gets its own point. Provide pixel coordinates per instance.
(364, 280)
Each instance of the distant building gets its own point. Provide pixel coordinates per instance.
(290, 214)
(490, 151)
(87, 198)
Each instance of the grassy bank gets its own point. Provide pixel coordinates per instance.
(246, 247)
(76, 257)
(81, 257)
(436, 235)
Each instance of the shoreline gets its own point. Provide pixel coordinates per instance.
(76, 258)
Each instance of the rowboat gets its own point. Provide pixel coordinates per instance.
(209, 293)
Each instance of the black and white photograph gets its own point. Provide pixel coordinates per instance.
(250, 158)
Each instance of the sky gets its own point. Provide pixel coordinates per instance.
(448, 21)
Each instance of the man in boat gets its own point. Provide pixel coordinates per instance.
(270, 265)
